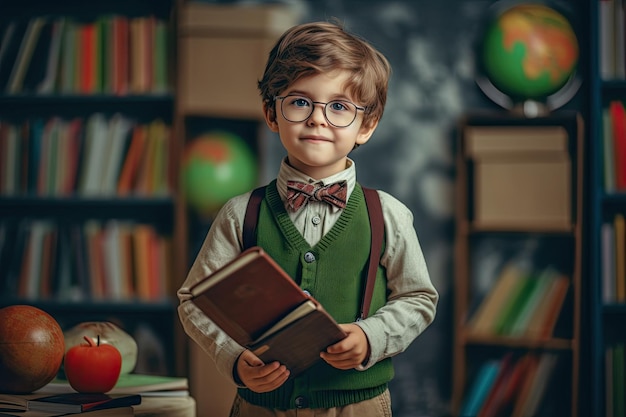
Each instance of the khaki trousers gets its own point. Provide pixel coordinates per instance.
(379, 406)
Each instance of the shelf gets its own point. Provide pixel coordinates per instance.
(90, 307)
(471, 228)
(71, 105)
(149, 209)
(514, 342)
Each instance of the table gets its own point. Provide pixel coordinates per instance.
(166, 406)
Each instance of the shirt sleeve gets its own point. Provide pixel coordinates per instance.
(222, 244)
(412, 299)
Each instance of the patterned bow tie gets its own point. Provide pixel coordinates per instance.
(299, 193)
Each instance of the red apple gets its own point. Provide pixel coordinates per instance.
(93, 367)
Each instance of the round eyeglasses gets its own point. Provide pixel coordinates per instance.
(339, 113)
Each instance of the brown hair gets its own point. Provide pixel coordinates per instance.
(314, 48)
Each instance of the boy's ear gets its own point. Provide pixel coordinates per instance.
(365, 132)
(269, 112)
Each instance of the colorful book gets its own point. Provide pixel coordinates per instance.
(24, 56)
(81, 402)
(480, 387)
(618, 116)
(482, 322)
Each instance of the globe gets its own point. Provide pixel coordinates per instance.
(216, 166)
(529, 52)
(31, 348)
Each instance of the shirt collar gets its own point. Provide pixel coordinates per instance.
(289, 173)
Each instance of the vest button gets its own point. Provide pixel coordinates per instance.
(316, 220)
(301, 402)
(309, 257)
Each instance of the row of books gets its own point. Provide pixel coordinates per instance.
(521, 303)
(615, 380)
(127, 397)
(114, 54)
(613, 245)
(511, 386)
(89, 157)
(612, 38)
(116, 260)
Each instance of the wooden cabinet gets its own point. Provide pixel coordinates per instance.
(519, 199)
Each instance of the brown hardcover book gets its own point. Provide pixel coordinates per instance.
(257, 304)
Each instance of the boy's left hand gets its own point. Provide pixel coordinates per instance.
(350, 352)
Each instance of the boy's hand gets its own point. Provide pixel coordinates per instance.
(259, 377)
(350, 352)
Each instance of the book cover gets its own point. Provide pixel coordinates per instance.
(495, 396)
(25, 54)
(513, 304)
(252, 293)
(482, 322)
(480, 387)
(619, 225)
(49, 82)
(618, 116)
(538, 292)
(544, 318)
(81, 402)
(132, 383)
(540, 382)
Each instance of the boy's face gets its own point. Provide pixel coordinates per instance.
(314, 146)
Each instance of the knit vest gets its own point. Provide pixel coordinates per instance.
(341, 254)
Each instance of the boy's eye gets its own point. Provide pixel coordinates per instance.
(301, 102)
(338, 106)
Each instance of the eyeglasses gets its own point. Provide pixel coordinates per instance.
(339, 113)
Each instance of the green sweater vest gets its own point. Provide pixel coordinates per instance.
(341, 254)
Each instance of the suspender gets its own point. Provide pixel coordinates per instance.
(375, 211)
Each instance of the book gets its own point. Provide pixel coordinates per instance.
(496, 393)
(256, 303)
(128, 384)
(482, 322)
(24, 55)
(618, 116)
(516, 305)
(480, 387)
(543, 283)
(543, 320)
(537, 386)
(80, 402)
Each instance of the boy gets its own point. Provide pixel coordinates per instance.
(323, 92)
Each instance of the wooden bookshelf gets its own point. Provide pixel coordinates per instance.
(533, 235)
(148, 98)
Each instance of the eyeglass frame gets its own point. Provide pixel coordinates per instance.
(282, 98)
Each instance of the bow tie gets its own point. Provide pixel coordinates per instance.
(299, 194)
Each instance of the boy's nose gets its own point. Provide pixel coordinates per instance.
(317, 115)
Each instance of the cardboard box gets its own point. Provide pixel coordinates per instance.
(521, 175)
(222, 54)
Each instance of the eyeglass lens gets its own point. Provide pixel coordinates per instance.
(338, 113)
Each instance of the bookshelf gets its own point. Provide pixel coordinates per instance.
(71, 237)
(519, 197)
(607, 203)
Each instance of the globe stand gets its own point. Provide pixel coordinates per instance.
(530, 108)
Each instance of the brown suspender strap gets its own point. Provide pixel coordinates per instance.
(377, 226)
(252, 217)
(374, 208)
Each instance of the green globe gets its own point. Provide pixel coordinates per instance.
(215, 167)
(529, 52)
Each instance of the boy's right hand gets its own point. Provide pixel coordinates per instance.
(259, 377)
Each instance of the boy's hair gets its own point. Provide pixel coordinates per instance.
(320, 47)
